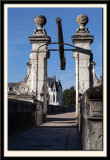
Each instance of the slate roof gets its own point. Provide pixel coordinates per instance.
(52, 82)
(12, 84)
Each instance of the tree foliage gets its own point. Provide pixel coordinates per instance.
(69, 96)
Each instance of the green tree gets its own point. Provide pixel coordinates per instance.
(69, 96)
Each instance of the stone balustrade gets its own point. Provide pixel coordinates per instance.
(23, 115)
(53, 108)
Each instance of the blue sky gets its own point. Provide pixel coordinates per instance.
(21, 25)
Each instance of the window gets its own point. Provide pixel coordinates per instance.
(54, 98)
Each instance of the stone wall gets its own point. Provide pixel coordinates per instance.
(91, 119)
(22, 115)
(53, 108)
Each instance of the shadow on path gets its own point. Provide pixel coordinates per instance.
(60, 135)
(61, 119)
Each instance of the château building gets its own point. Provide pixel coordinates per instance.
(54, 91)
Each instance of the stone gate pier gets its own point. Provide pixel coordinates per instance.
(34, 87)
(88, 97)
(83, 58)
(85, 72)
(37, 80)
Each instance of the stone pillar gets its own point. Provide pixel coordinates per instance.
(83, 57)
(38, 59)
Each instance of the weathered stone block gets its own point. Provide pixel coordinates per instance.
(91, 112)
(94, 135)
(84, 74)
(84, 63)
(83, 85)
(96, 108)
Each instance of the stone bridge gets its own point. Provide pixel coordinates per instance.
(28, 107)
(87, 135)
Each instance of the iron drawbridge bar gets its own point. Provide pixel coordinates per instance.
(64, 50)
(77, 49)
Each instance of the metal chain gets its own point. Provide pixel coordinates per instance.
(37, 75)
(77, 85)
(78, 76)
(36, 87)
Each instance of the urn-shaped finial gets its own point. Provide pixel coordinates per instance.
(40, 21)
(82, 20)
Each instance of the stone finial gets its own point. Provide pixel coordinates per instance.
(82, 20)
(40, 21)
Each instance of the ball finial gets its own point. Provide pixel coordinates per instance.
(82, 20)
(40, 21)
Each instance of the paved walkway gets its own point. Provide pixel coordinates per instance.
(59, 133)
(64, 119)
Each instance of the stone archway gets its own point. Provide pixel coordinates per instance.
(36, 79)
